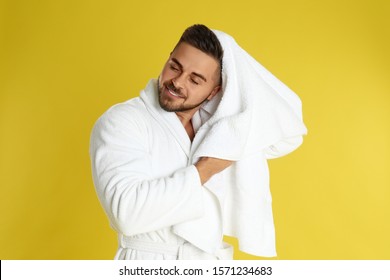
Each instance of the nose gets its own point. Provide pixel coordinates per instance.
(178, 81)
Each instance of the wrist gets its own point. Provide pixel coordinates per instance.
(203, 170)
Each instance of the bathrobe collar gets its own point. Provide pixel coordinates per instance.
(167, 119)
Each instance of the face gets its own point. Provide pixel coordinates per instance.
(189, 78)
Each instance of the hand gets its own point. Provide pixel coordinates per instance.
(208, 166)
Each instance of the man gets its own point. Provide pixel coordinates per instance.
(142, 176)
(162, 163)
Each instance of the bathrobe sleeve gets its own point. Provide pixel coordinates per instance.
(133, 199)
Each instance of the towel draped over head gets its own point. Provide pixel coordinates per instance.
(255, 111)
(256, 117)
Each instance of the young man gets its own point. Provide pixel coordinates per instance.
(140, 157)
(178, 167)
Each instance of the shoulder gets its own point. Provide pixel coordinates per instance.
(129, 116)
(132, 110)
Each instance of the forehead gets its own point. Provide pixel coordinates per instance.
(194, 60)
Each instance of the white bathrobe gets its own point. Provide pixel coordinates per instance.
(144, 180)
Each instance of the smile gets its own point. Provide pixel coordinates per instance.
(171, 92)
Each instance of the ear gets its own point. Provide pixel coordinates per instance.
(214, 92)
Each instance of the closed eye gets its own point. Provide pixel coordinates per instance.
(194, 82)
(173, 68)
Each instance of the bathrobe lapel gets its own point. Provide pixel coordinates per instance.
(169, 120)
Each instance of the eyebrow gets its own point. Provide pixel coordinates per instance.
(193, 73)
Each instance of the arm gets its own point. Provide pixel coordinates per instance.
(208, 166)
(135, 201)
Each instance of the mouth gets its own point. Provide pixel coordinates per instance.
(172, 92)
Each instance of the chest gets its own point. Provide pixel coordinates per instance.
(167, 151)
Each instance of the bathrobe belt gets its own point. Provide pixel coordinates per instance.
(182, 251)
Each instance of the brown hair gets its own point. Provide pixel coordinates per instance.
(201, 37)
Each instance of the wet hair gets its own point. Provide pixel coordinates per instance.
(201, 37)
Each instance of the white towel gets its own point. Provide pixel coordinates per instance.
(256, 118)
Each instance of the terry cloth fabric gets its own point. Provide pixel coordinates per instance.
(257, 117)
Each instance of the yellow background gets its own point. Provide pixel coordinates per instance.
(63, 63)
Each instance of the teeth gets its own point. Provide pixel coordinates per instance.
(174, 94)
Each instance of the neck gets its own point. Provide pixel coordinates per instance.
(185, 118)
